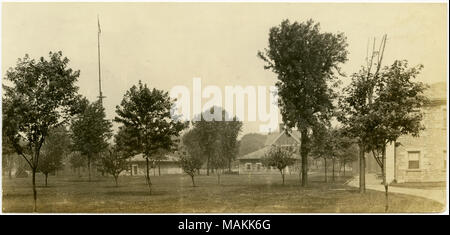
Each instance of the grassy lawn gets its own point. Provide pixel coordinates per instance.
(174, 194)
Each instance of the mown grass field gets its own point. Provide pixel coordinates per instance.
(175, 194)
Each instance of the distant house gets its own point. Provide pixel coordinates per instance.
(252, 163)
(167, 166)
(423, 158)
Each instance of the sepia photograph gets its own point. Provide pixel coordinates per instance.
(224, 108)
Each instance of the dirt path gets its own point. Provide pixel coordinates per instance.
(439, 195)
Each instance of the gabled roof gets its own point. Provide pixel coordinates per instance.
(271, 140)
(140, 158)
(273, 137)
(258, 154)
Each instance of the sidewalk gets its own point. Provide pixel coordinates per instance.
(373, 183)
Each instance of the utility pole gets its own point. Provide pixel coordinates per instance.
(99, 67)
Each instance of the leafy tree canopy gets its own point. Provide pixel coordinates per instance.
(40, 95)
(54, 149)
(145, 113)
(91, 130)
(306, 61)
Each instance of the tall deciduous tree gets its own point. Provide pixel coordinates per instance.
(192, 148)
(343, 149)
(41, 95)
(307, 64)
(356, 104)
(54, 149)
(147, 114)
(217, 139)
(347, 149)
(229, 142)
(77, 162)
(322, 145)
(206, 133)
(90, 132)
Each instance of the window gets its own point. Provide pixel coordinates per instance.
(248, 166)
(258, 166)
(413, 160)
(135, 169)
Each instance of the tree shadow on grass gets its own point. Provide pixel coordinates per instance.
(112, 186)
(47, 187)
(86, 180)
(135, 193)
(16, 195)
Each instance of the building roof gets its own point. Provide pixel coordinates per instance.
(273, 137)
(140, 158)
(437, 91)
(271, 140)
(258, 154)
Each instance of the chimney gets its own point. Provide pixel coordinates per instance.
(281, 127)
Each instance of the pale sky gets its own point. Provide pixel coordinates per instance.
(167, 44)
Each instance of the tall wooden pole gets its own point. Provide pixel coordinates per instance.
(99, 67)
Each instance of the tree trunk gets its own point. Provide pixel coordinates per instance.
(229, 165)
(10, 173)
(131, 168)
(333, 161)
(46, 177)
(149, 183)
(89, 168)
(304, 156)
(282, 175)
(218, 176)
(207, 165)
(344, 168)
(159, 169)
(34, 188)
(325, 163)
(116, 180)
(362, 169)
(193, 182)
(384, 178)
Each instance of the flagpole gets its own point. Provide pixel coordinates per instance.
(99, 67)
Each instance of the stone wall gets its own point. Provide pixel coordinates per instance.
(431, 146)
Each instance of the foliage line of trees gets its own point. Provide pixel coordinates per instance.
(44, 118)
